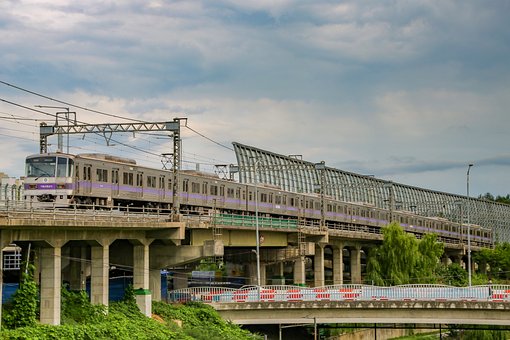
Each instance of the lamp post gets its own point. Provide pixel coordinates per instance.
(468, 226)
(257, 235)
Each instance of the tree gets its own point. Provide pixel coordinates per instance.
(23, 310)
(402, 259)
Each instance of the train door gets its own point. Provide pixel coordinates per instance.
(161, 189)
(139, 184)
(115, 182)
(87, 179)
(185, 191)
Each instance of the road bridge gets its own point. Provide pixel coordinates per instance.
(414, 304)
(367, 312)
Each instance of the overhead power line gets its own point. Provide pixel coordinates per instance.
(92, 110)
(67, 103)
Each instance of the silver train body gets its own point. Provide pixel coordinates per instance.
(65, 180)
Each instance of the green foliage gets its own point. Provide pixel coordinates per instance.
(495, 333)
(23, 310)
(498, 260)
(201, 321)
(76, 308)
(115, 325)
(208, 265)
(402, 259)
(453, 275)
(125, 321)
(129, 295)
(499, 199)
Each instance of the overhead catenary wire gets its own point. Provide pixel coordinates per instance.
(95, 111)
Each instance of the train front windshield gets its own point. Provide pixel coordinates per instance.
(49, 166)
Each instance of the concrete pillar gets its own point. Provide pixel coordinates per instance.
(99, 279)
(280, 269)
(252, 270)
(155, 284)
(318, 266)
(356, 265)
(458, 260)
(299, 271)
(76, 272)
(338, 265)
(141, 278)
(51, 281)
(37, 263)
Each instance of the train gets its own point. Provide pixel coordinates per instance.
(60, 180)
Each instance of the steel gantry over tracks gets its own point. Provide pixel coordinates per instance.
(107, 129)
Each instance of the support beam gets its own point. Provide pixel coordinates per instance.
(356, 264)
(155, 284)
(338, 264)
(299, 271)
(318, 266)
(50, 285)
(99, 280)
(141, 278)
(76, 270)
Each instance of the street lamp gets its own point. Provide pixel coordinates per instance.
(257, 235)
(468, 226)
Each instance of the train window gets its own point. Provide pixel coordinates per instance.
(263, 197)
(250, 196)
(222, 190)
(292, 201)
(70, 168)
(102, 175)
(271, 198)
(170, 184)
(77, 172)
(238, 193)
(185, 187)
(284, 199)
(306, 204)
(115, 176)
(127, 178)
(195, 188)
(214, 190)
(87, 173)
(204, 188)
(139, 179)
(244, 195)
(278, 199)
(162, 182)
(230, 192)
(151, 181)
(61, 167)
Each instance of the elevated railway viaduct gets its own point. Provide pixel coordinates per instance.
(73, 245)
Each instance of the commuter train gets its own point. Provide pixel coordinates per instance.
(100, 180)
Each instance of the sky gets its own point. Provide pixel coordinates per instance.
(407, 91)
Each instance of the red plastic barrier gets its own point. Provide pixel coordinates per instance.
(294, 295)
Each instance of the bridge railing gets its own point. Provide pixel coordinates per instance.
(90, 213)
(273, 293)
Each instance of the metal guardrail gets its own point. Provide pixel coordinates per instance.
(82, 213)
(356, 292)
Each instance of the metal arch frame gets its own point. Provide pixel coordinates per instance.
(108, 128)
(296, 175)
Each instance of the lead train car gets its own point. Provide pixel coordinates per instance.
(65, 180)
